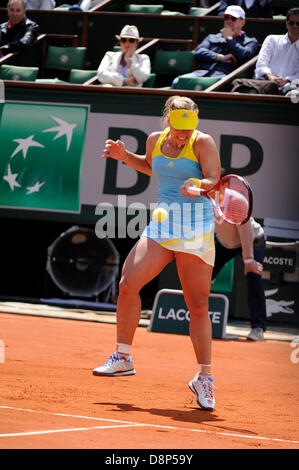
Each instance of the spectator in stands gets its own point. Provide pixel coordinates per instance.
(252, 8)
(19, 32)
(219, 54)
(40, 4)
(126, 67)
(277, 66)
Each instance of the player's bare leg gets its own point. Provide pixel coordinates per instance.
(145, 261)
(195, 276)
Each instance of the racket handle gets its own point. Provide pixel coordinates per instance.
(195, 191)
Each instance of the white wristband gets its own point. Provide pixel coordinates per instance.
(248, 260)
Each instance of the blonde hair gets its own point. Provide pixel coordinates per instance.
(177, 102)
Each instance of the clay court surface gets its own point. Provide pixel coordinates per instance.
(49, 398)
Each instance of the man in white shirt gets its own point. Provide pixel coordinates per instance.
(278, 61)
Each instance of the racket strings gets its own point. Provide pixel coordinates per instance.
(234, 200)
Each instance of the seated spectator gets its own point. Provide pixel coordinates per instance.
(219, 54)
(252, 8)
(126, 67)
(19, 32)
(40, 4)
(278, 62)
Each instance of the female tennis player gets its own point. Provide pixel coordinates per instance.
(175, 155)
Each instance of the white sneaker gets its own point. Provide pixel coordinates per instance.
(202, 387)
(116, 366)
(256, 334)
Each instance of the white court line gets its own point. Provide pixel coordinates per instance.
(131, 423)
(52, 431)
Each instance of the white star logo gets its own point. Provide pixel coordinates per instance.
(24, 145)
(64, 128)
(35, 188)
(11, 179)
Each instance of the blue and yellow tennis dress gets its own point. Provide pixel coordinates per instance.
(189, 227)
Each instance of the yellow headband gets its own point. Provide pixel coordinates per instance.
(183, 119)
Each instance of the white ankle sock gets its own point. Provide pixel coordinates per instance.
(207, 368)
(123, 349)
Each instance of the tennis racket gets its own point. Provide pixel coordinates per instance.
(231, 198)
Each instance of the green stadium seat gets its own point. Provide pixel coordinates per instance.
(16, 72)
(173, 62)
(147, 9)
(169, 64)
(81, 76)
(197, 11)
(65, 58)
(196, 83)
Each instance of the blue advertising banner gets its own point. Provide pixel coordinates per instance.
(171, 315)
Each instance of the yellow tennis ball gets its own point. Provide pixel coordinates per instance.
(160, 214)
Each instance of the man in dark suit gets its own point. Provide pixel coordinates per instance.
(18, 32)
(252, 8)
(219, 54)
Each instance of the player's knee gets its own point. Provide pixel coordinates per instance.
(127, 286)
(199, 309)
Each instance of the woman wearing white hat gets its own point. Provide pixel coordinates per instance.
(126, 67)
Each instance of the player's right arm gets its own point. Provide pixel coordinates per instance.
(207, 154)
(246, 238)
(143, 163)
